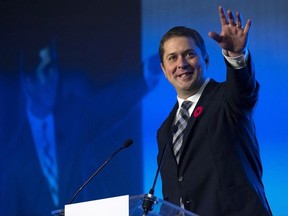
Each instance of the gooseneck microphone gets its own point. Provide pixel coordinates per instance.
(126, 144)
(149, 199)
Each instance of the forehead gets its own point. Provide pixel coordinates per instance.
(178, 43)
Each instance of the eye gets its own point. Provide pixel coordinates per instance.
(171, 57)
(190, 54)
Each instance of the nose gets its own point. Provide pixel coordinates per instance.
(182, 63)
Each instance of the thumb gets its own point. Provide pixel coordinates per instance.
(215, 36)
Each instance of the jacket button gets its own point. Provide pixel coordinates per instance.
(180, 179)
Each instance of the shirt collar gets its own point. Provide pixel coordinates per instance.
(194, 98)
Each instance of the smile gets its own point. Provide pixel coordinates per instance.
(183, 75)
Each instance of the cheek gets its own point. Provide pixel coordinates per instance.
(169, 69)
(199, 66)
(168, 72)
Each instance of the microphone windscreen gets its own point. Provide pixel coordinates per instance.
(127, 143)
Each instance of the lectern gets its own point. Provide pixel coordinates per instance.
(122, 206)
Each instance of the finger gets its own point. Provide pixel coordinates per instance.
(222, 16)
(247, 26)
(238, 20)
(231, 17)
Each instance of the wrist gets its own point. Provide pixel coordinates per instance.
(237, 61)
(232, 54)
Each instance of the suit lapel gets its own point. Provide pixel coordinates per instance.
(199, 111)
(166, 131)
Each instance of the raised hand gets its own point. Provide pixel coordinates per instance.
(233, 38)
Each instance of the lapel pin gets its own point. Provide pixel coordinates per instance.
(197, 112)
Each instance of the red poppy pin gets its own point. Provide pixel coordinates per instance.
(197, 112)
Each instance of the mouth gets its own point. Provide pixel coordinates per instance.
(184, 75)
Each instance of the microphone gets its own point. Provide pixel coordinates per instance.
(149, 199)
(126, 144)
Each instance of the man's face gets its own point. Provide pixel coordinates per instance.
(184, 65)
(43, 88)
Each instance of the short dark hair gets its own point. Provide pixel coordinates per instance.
(181, 31)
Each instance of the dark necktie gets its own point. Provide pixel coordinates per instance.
(181, 125)
(50, 166)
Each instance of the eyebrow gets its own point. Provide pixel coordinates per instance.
(184, 52)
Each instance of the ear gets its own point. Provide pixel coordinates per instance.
(206, 59)
(163, 69)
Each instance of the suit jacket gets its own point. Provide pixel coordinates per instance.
(219, 171)
(25, 189)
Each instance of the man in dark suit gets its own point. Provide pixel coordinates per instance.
(41, 172)
(212, 166)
